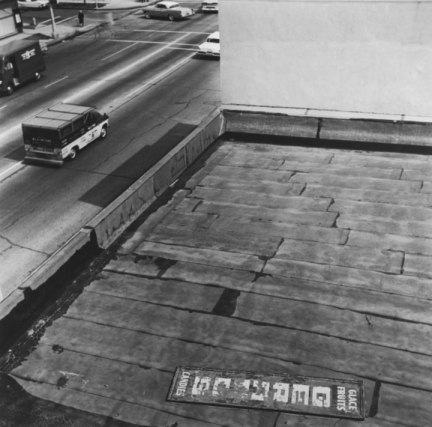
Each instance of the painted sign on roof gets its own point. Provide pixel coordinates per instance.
(281, 392)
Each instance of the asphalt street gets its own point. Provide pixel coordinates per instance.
(145, 75)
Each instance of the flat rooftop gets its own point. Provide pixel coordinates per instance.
(270, 258)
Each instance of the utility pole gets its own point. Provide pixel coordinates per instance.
(53, 24)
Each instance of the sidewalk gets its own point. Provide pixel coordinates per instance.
(69, 28)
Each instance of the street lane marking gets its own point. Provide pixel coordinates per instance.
(150, 42)
(16, 166)
(160, 76)
(121, 72)
(12, 131)
(42, 23)
(121, 50)
(4, 106)
(161, 31)
(66, 19)
(182, 48)
(53, 83)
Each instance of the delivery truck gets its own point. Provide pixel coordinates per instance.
(61, 131)
(21, 61)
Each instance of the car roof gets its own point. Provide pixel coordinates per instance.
(58, 115)
(168, 3)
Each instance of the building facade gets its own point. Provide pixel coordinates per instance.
(327, 58)
(10, 22)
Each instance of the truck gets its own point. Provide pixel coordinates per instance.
(61, 131)
(21, 61)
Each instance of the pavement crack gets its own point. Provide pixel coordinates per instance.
(16, 245)
(303, 189)
(368, 321)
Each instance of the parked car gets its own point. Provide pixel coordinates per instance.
(167, 9)
(211, 47)
(210, 6)
(33, 4)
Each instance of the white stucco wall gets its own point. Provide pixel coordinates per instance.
(340, 58)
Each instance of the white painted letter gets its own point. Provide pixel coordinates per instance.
(225, 382)
(281, 392)
(201, 385)
(321, 396)
(261, 390)
(300, 394)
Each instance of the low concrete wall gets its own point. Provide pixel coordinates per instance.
(397, 132)
(387, 132)
(115, 218)
(271, 124)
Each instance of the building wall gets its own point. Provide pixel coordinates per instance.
(7, 23)
(340, 58)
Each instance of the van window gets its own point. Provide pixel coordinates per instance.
(66, 131)
(78, 124)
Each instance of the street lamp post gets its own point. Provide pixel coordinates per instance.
(53, 24)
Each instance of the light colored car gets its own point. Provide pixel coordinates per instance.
(210, 6)
(211, 47)
(33, 4)
(167, 9)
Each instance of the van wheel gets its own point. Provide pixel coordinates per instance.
(9, 90)
(73, 153)
(147, 15)
(171, 18)
(103, 133)
(37, 76)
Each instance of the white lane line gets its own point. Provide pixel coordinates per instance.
(59, 80)
(13, 130)
(10, 170)
(4, 106)
(161, 31)
(160, 76)
(121, 72)
(64, 20)
(121, 50)
(182, 48)
(150, 42)
(42, 23)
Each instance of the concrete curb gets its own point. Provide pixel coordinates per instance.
(109, 224)
(45, 270)
(393, 132)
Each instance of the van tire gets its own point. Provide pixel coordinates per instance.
(103, 133)
(147, 15)
(73, 153)
(9, 90)
(37, 76)
(171, 18)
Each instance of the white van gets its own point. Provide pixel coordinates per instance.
(61, 131)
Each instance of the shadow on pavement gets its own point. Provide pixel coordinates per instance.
(19, 408)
